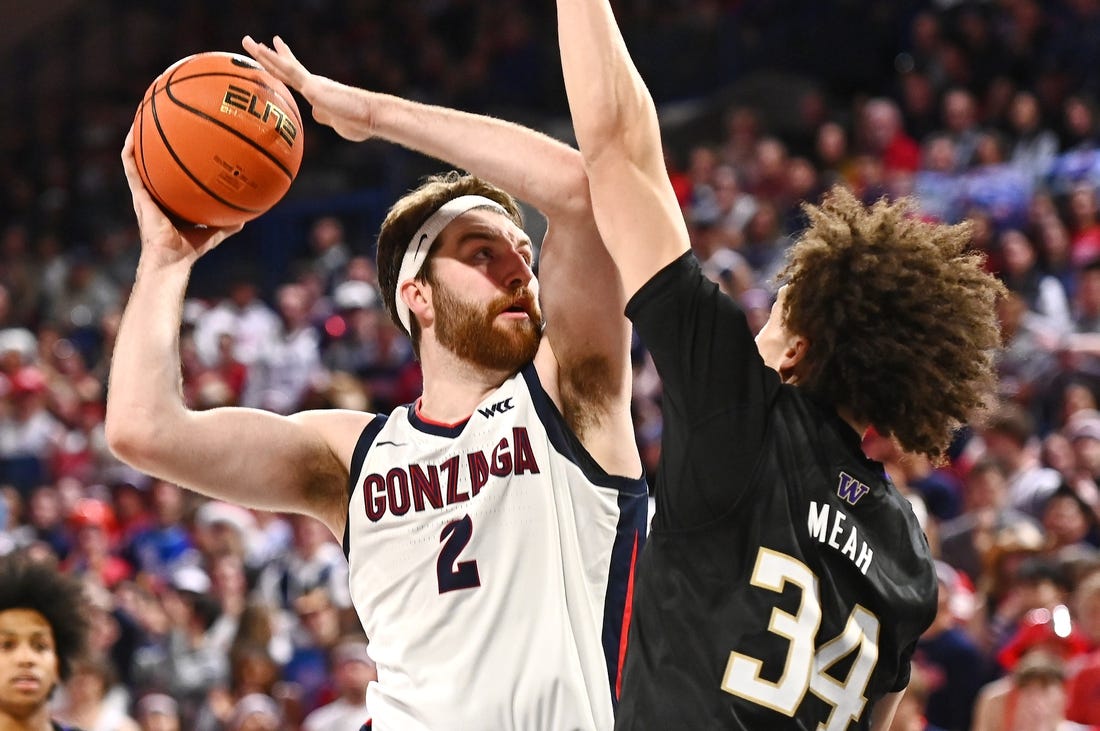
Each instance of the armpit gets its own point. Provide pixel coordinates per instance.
(586, 393)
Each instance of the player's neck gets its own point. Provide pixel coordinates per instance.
(454, 387)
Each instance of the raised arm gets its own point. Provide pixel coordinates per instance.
(577, 275)
(616, 126)
(250, 457)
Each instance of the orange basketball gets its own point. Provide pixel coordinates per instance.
(218, 140)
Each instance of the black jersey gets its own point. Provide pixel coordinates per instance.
(785, 581)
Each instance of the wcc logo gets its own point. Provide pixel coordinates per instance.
(498, 408)
(851, 489)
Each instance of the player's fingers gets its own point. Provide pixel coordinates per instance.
(272, 62)
(291, 64)
(129, 166)
(128, 152)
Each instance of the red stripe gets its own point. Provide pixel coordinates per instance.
(628, 606)
(433, 422)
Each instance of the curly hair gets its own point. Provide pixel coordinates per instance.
(408, 214)
(27, 583)
(900, 318)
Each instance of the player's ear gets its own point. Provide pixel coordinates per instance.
(793, 353)
(417, 296)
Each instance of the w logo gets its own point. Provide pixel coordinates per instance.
(851, 489)
(498, 408)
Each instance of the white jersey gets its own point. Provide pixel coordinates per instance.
(491, 566)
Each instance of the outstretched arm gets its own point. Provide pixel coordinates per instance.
(582, 296)
(246, 456)
(616, 126)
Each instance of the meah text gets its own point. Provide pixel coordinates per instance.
(420, 487)
(835, 533)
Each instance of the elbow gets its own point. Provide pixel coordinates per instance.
(620, 118)
(573, 196)
(131, 440)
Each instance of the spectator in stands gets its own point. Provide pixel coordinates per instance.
(29, 433)
(1027, 372)
(1009, 438)
(243, 315)
(47, 521)
(1068, 520)
(884, 136)
(183, 660)
(158, 712)
(1022, 273)
(1032, 698)
(1033, 145)
(833, 159)
(1080, 131)
(166, 544)
(93, 556)
(329, 249)
(317, 632)
(1084, 224)
(353, 670)
(287, 367)
(314, 561)
(966, 541)
(949, 657)
(256, 712)
(1084, 684)
(960, 124)
(91, 700)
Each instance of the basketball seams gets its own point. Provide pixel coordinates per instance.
(287, 98)
(142, 167)
(177, 149)
(204, 115)
(180, 164)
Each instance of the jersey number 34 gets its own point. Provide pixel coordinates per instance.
(806, 664)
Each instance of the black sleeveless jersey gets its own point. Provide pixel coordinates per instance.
(785, 581)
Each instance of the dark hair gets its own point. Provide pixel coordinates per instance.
(26, 583)
(408, 214)
(1039, 570)
(899, 315)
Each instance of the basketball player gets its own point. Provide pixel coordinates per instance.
(491, 526)
(786, 580)
(43, 629)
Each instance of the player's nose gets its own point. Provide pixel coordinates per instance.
(515, 271)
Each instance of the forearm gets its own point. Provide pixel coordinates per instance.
(531, 165)
(615, 121)
(144, 392)
(608, 100)
(883, 712)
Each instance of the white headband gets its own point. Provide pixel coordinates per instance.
(423, 240)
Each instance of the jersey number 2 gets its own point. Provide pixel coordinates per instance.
(452, 573)
(806, 665)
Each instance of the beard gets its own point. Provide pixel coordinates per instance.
(475, 335)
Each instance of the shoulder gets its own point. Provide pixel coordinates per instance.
(338, 428)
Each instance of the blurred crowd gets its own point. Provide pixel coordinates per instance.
(212, 617)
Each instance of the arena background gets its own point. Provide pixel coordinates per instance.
(763, 103)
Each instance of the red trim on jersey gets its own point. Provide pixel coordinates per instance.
(433, 422)
(628, 605)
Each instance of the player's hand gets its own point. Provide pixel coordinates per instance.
(344, 108)
(159, 236)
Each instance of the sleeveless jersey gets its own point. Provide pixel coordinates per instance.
(786, 580)
(491, 563)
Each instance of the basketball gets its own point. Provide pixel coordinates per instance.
(218, 140)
